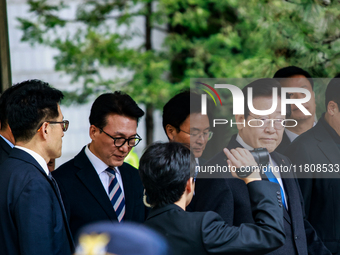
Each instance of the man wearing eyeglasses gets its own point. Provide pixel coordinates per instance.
(96, 184)
(33, 219)
(184, 123)
(256, 131)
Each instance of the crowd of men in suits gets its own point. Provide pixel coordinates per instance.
(43, 210)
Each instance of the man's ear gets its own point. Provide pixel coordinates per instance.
(190, 185)
(44, 129)
(332, 108)
(240, 120)
(170, 132)
(93, 132)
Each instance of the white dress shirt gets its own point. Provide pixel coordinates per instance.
(272, 163)
(100, 168)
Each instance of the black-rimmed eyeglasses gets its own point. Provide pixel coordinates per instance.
(64, 124)
(120, 141)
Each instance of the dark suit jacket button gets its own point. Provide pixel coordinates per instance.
(296, 237)
(280, 205)
(279, 197)
(278, 192)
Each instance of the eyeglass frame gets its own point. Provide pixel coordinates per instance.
(64, 127)
(274, 123)
(126, 139)
(211, 133)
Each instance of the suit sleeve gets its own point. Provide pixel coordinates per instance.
(214, 195)
(34, 218)
(266, 235)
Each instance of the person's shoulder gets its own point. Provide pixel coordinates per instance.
(310, 136)
(69, 167)
(126, 167)
(219, 157)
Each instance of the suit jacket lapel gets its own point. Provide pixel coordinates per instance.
(233, 143)
(128, 191)
(326, 143)
(89, 177)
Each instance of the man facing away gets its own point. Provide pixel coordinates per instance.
(316, 155)
(97, 185)
(167, 171)
(295, 77)
(33, 219)
(262, 131)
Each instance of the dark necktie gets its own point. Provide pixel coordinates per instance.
(116, 195)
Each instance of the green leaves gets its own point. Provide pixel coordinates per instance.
(206, 38)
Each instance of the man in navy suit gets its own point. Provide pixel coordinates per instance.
(316, 153)
(256, 131)
(96, 184)
(33, 219)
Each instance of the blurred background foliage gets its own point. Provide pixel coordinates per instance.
(203, 39)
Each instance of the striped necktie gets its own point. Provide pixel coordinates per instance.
(116, 195)
(271, 177)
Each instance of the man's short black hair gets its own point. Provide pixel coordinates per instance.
(333, 91)
(261, 88)
(4, 103)
(113, 103)
(29, 106)
(178, 108)
(289, 71)
(165, 169)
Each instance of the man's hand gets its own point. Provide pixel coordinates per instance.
(241, 157)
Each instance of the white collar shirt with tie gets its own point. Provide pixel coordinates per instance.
(272, 163)
(100, 168)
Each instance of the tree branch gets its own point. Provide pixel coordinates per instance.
(331, 39)
(160, 29)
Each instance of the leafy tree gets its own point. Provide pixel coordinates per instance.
(204, 39)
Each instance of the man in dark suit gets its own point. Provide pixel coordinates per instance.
(167, 171)
(96, 184)
(184, 123)
(33, 219)
(257, 131)
(316, 155)
(296, 77)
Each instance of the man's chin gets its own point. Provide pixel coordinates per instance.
(197, 154)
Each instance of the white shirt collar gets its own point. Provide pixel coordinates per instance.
(244, 145)
(97, 163)
(37, 157)
(292, 136)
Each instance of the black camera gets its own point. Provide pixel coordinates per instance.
(261, 156)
